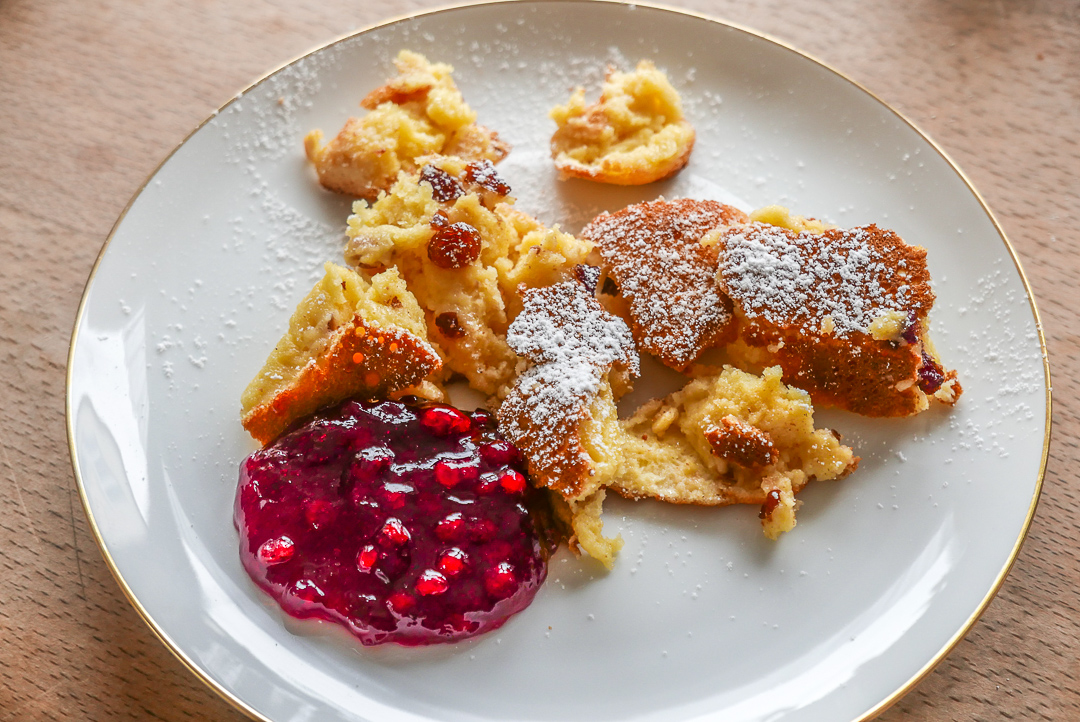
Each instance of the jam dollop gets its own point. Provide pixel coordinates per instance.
(403, 521)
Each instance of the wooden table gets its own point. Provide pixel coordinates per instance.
(93, 94)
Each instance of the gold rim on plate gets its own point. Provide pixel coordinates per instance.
(869, 714)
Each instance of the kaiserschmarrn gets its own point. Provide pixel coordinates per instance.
(348, 337)
(451, 230)
(418, 113)
(842, 312)
(634, 134)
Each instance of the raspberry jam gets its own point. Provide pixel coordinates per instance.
(404, 522)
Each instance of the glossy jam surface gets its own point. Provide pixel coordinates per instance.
(404, 522)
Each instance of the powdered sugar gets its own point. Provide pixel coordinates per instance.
(790, 279)
(266, 116)
(565, 326)
(668, 278)
(573, 343)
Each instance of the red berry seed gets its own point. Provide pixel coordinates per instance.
(452, 472)
(451, 528)
(369, 464)
(488, 483)
(444, 420)
(277, 550)
(452, 562)
(393, 495)
(512, 481)
(499, 581)
(400, 602)
(483, 419)
(366, 558)
(431, 583)
(394, 533)
(499, 453)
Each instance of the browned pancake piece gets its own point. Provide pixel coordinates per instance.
(362, 360)
(350, 336)
(574, 344)
(807, 301)
(668, 279)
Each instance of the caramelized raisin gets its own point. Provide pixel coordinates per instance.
(440, 220)
(911, 329)
(455, 246)
(931, 375)
(588, 276)
(772, 500)
(444, 187)
(610, 288)
(448, 325)
(742, 443)
(483, 174)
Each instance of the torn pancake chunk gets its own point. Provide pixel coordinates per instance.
(634, 134)
(665, 276)
(843, 312)
(421, 112)
(730, 438)
(464, 250)
(348, 337)
(561, 412)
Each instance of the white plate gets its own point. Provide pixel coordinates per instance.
(702, 618)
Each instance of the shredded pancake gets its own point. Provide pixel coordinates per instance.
(634, 134)
(665, 276)
(418, 113)
(464, 250)
(730, 438)
(843, 312)
(561, 411)
(573, 344)
(347, 338)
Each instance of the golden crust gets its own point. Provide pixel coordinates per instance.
(634, 134)
(391, 359)
(666, 276)
(347, 338)
(419, 113)
(816, 303)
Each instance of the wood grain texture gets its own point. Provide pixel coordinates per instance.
(94, 94)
